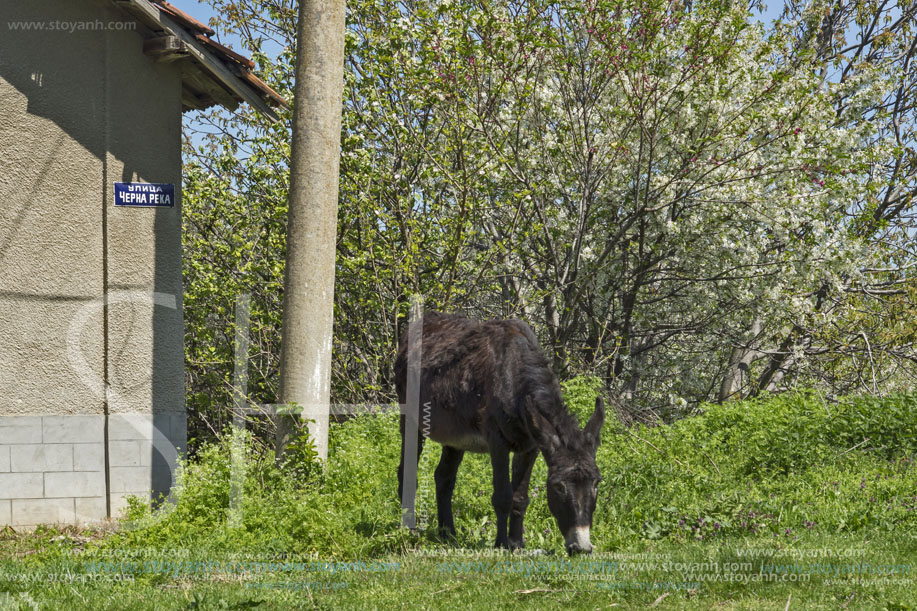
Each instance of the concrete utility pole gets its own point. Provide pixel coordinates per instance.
(308, 298)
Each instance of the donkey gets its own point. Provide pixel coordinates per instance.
(486, 387)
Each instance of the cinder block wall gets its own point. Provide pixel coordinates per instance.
(53, 471)
(91, 354)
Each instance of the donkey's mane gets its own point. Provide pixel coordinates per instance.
(543, 387)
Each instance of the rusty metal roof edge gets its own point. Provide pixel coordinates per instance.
(222, 73)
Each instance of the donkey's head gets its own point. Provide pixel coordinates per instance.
(572, 475)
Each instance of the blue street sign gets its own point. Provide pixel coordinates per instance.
(145, 194)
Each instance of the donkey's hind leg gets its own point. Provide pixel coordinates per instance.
(420, 441)
(445, 483)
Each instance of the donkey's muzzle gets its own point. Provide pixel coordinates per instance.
(578, 541)
(575, 549)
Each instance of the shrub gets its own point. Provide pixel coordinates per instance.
(771, 467)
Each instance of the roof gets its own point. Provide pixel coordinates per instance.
(213, 74)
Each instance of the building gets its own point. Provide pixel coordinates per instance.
(91, 338)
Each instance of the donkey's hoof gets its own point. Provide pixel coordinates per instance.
(446, 534)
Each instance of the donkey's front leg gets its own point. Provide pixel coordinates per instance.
(502, 498)
(401, 465)
(449, 463)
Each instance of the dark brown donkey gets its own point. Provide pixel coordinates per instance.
(487, 387)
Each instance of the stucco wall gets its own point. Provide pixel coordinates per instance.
(79, 111)
(51, 192)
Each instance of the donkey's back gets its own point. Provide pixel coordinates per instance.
(474, 377)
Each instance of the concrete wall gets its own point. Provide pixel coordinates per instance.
(90, 294)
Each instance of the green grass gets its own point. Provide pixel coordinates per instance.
(679, 509)
(866, 572)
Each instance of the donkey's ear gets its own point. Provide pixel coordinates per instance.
(541, 430)
(593, 428)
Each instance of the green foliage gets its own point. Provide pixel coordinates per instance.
(579, 397)
(775, 465)
(774, 468)
(300, 458)
(641, 182)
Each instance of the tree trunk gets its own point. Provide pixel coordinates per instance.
(779, 363)
(308, 298)
(739, 361)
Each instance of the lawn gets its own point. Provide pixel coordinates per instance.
(768, 504)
